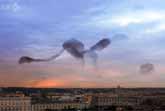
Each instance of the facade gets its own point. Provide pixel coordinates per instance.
(58, 106)
(128, 101)
(15, 104)
(116, 100)
(111, 101)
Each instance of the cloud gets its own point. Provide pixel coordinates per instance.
(46, 83)
(160, 27)
(10, 6)
(125, 19)
(138, 17)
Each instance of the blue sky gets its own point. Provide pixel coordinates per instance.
(38, 28)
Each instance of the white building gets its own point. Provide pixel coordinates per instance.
(15, 104)
(117, 100)
(58, 106)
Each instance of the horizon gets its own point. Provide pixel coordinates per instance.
(38, 29)
(87, 88)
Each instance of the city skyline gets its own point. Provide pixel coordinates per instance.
(39, 28)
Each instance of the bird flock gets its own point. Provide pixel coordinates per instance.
(76, 48)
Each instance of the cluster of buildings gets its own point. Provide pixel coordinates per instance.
(118, 100)
(129, 102)
(27, 103)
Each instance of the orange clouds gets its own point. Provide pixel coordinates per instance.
(46, 83)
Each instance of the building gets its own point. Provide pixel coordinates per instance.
(15, 104)
(116, 100)
(58, 106)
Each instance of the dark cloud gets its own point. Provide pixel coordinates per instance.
(147, 68)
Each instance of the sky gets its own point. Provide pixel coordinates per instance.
(38, 28)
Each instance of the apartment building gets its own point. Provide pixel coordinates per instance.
(15, 104)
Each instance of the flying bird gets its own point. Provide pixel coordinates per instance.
(75, 48)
